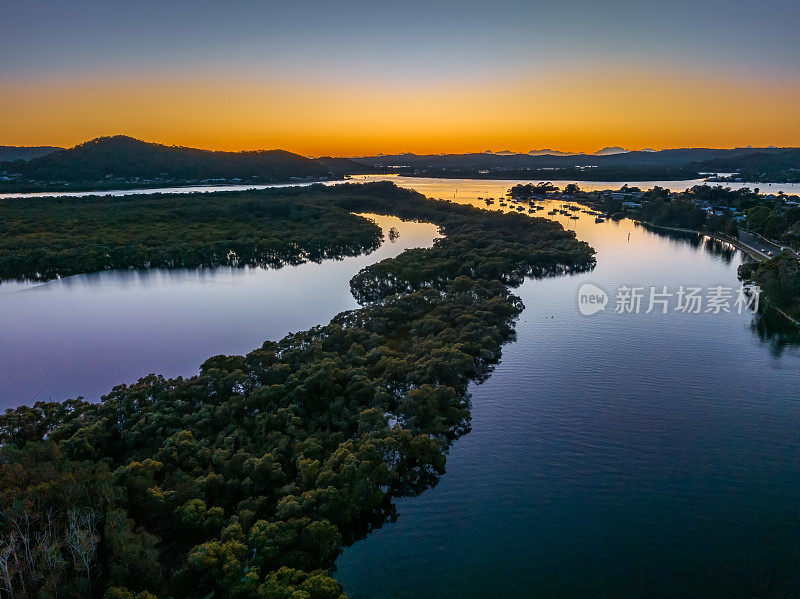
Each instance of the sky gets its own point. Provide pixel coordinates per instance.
(356, 78)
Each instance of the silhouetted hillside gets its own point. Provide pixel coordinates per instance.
(345, 166)
(109, 158)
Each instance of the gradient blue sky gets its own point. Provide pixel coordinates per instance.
(371, 49)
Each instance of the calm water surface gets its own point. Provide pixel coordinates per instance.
(447, 188)
(81, 335)
(611, 455)
(471, 189)
(176, 190)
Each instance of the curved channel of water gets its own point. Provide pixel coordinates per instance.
(81, 335)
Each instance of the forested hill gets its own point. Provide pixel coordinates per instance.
(121, 157)
(9, 153)
(344, 166)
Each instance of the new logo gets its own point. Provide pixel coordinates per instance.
(591, 299)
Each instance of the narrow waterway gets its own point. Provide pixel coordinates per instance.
(81, 335)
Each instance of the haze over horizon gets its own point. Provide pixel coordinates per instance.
(443, 77)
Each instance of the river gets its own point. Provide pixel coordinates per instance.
(431, 187)
(81, 335)
(613, 454)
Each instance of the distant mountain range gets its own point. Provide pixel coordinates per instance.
(9, 153)
(106, 162)
(537, 159)
(339, 167)
(549, 152)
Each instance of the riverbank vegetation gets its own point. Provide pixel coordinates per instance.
(779, 280)
(776, 220)
(714, 209)
(775, 216)
(247, 479)
(44, 238)
(698, 208)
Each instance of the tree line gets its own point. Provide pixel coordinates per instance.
(45, 238)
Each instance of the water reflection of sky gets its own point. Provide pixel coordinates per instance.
(82, 335)
(458, 189)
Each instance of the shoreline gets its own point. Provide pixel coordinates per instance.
(751, 251)
(754, 253)
(143, 189)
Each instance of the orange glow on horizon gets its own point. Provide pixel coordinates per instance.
(570, 113)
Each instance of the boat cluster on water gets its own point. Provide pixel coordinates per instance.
(515, 203)
(569, 210)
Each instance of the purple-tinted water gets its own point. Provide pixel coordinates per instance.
(82, 335)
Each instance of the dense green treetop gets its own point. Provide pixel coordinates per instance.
(42, 238)
(779, 280)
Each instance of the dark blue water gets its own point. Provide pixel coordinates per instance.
(612, 455)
